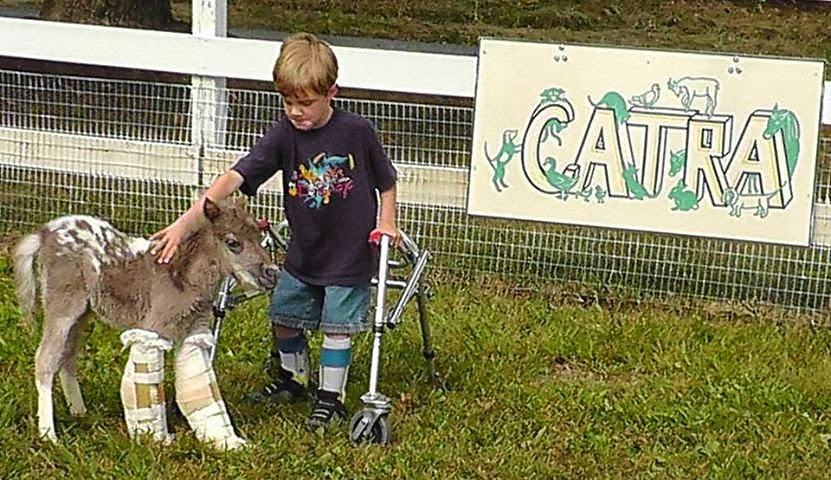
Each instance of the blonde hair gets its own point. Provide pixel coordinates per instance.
(306, 65)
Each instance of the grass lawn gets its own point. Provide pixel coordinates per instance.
(538, 388)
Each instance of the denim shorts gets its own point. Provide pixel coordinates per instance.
(332, 309)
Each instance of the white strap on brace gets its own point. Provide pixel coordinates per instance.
(212, 410)
(151, 378)
(146, 415)
(145, 338)
(197, 394)
(142, 389)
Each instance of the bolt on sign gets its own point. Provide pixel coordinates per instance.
(675, 142)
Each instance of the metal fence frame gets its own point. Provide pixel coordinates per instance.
(138, 151)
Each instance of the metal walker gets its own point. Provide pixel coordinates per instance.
(370, 425)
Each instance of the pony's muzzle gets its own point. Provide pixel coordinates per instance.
(268, 276)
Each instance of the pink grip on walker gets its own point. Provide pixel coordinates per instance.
(375, 236)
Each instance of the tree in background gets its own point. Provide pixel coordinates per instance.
(150, 14)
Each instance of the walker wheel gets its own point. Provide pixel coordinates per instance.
(362, 429)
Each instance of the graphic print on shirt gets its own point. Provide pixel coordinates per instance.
(325, 176)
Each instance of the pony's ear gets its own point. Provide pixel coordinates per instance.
(241, 201)
(210, 209)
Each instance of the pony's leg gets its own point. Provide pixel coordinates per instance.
(69, 368)
(58, 320)
(46, 364)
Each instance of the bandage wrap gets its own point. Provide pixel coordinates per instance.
(197, 394)
(142, 385)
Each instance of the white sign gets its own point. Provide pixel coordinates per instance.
(697, 144)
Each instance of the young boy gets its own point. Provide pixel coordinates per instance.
(332, 164)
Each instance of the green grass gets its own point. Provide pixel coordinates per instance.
(538, 388)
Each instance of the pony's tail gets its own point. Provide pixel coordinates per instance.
(24, 275)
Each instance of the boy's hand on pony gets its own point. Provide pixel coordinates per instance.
(167, 240)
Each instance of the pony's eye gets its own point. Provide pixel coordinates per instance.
(233, 244)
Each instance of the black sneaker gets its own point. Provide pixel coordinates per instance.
(284, 388)
(326, 411)
(272, 366)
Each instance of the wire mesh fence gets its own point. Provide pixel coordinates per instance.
(124, 150)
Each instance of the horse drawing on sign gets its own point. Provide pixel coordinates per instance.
(785, 122)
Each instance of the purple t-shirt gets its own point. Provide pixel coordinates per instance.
(330, 178)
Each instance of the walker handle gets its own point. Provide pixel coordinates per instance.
(375, 236)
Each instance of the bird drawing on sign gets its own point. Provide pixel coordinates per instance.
(648, 98)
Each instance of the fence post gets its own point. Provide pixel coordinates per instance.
(208, 94)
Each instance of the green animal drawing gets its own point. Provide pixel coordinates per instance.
(616, 102)
(677, 161)
(551, 95)
(505, 154)
(636, 188)
(552, 128)
(648, 98)
(562, 182)
(785, 121)
(600, 194)
(585, 194)
(685, 200)
(556, 179)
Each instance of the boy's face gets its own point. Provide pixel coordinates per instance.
(309, 110)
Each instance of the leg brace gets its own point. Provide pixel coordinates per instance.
(294, 357)
(142, 385)
(335, 357)
(197, 394)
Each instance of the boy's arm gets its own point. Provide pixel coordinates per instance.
(386, 217)
(169, 238)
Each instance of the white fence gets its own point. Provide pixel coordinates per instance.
(135, 151)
